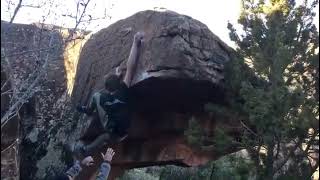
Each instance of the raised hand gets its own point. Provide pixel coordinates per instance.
(138, 37)
(133, 58)
(108, 155)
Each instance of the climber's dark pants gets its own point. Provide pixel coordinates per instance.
(100, 134)
(95, 135)
(97, 118)
(94, 104)
(98, 143)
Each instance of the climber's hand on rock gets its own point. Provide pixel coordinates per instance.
(138, 37)
(87, 161)
(108, 155)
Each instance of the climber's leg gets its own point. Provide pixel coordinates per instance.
(80, 150)
(93, 102)
(94, 129)
(99, 142)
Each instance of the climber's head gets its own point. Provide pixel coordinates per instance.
(112, 82)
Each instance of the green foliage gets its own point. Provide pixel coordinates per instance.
(137, 174)
(228, 167)
(194, 133)
(221, 141)
(219, 111)
(232, 167)
(176, 173)
(277, 97)
(281, 43)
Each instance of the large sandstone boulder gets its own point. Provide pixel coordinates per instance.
(181, 67)
(180, 57)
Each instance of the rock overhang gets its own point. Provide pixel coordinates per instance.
(180, 59)
(175, 94)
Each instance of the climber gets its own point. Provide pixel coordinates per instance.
(88, 161)
(112, 105)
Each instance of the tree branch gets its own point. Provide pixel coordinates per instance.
(288, 156)
(78, 21)
(11, 145)
(247, 128)
(30, 6)
(4, 85)
(17, 105)
(30, 51)
(16, 11)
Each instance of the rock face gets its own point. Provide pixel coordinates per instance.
(178, 49)
(46, 117)
(181, 67)
(9, 134)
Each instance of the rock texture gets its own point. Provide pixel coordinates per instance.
(180, 69)
(176, 47)
(46, 118)
(9, 134)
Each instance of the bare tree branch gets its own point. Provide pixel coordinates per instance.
(16, 11)
(11, 145)
(17, 105)
(289, 155)
(10, 91)
(78, 21)
(28, 84)
(29, 51)
(247, 128)
(18, 99)
(31, 6)
(4, 85)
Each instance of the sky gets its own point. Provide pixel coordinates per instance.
(214, 13)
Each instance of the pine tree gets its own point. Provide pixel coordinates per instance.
(281, 43)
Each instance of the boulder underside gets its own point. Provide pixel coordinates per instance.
(180, 68)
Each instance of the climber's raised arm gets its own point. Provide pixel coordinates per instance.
(105, 166)
(133, 58)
